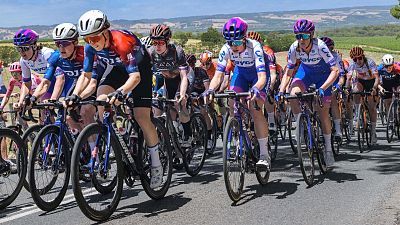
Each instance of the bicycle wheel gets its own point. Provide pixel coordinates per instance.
(336, 142)
(282, 124)
(381, 110)
(291, 131)
(304, 150)
(94, 204)
(361, 124)
(11, 181)
(144, 163)
(214, 134)
(368, 129)
(196, 154)
(391, 122)
(262, 175)
(320, 145)
(234, 159)
(28, 137)
(49, 175)
(273, 145)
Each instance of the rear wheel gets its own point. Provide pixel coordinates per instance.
(291, 131)
(361, 127)
(391, 122)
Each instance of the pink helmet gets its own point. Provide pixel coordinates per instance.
(25, 37)
(234, 29)
(303, 26)
(15, 67)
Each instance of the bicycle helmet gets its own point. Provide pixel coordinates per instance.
(303, 26)
(65, 31)
(25, 37)
(387, 60)
(161, 32)
(92, 22)
(234, 29)
(15, 67)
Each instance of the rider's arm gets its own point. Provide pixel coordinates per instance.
(58, 87)
(42, 88)
(225, 82)
(329, 59)
(86, 76)
(90, 89)
(27, 82)
(8, 93)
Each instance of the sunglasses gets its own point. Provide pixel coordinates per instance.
(15, 74)
(23, 48)
(387, 66)
(235, 43)
(93, 39)
(303, 36)
(63, 43)
(158, 43)
(355, 59)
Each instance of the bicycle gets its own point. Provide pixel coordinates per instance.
(310, 142)
(393, 118)
(363, 124)
(240, 148)
(113, 159)
(11, 182)
(193, 157)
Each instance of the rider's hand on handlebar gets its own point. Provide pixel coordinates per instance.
(71, 100)
(256, 93)
(279, 97)
(208, 95)
(321, 92)
(116, 95)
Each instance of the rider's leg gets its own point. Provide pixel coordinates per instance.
(271, 115)
(335, 114)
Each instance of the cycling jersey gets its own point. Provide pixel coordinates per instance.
(15, 83)
(125, 51)
(251, 58)
(390, 80)
(211, 70)
(366, 72)
(197, 77)
(269, 56)
(72, 69)
(170, 64)
(39, 65)
(319, 60)
(339, 63)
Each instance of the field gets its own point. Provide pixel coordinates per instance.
(387, 44)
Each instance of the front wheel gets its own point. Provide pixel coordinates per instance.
(391, 122)
(196, 154)
(90, 154)
(234, 159)
(305, 149)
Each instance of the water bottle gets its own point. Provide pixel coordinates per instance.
(133, 137)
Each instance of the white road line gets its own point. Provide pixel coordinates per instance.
(34, 209)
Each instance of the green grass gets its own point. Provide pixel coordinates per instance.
(385, 44)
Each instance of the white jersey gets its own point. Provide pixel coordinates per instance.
(339, 63)
(366, 72)
(319, 58)
(251, 57)
(39, 65)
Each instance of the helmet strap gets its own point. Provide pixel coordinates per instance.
(34, 55)
(72, 56)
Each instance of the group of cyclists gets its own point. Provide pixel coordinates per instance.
(115, 65)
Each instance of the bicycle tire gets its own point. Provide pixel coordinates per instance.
(391, 122)
(291, 132)
(304, 152)
(87, 210)
(214, 134)
(38, 193)
(232, 128)
(21, 161)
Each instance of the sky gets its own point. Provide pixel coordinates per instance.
(48, 12)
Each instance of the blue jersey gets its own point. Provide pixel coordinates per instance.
(71, 68)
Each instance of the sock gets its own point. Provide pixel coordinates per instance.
(328, 146)
(271, 117)
(186, 129)
(337, 125)
(154, 156)
(263, 142)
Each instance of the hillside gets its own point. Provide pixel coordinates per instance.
(265, 21)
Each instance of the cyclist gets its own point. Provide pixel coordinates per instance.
(269, 57)
(34, 57)
(389, 74)
(337, 85)
(198, 83)
(365, 78)
(69, 57)
(317, 66)
(250, 72)
(170, 60)
(123, 66)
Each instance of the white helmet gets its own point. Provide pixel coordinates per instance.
(92, 22)
(65, 31)
(387, 60)
(146, 41)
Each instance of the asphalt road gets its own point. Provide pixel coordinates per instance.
(362, 189)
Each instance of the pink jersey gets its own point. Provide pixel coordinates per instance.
(13, 82)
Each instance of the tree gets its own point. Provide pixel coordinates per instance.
(182, 38)
(212, 39)
(395, 11)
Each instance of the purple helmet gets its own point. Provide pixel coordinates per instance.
(328, 41)
(234, 29)
(25, 37)
(303, 26)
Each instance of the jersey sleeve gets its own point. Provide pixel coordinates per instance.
(89, 58)
(292, 56)
(181, 58)
(326, 54)
(340, 65)
(259, 58)
(26, 72)
(372, 66)
(351, 69)
(223, 57)
(10, 88)
(52, 65)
